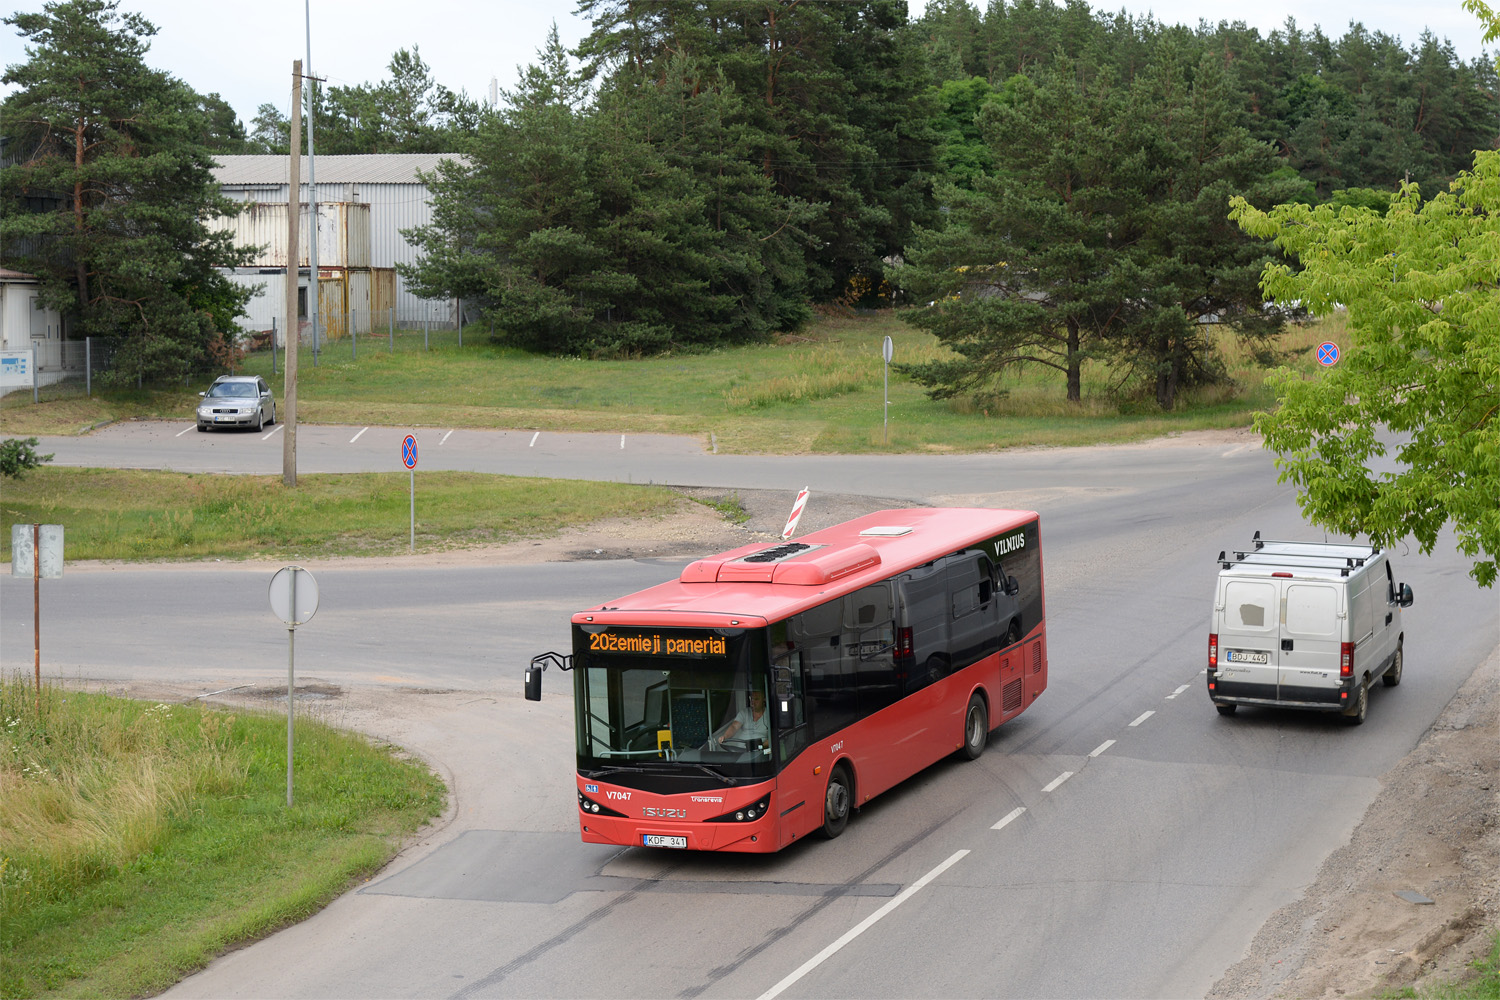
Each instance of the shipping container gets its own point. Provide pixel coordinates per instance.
(343, 233)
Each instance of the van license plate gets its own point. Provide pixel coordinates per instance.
(657, 840)
(1248, 656)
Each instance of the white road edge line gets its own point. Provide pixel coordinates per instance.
(622, 442)
(185, 430)
(534, 437)
(861, 927)
(356, 437)
(1178, 691)
(1144, 717)
(444, 438)
(1102, 747)
(274, 430)
(1013, 814)
(1052, 785)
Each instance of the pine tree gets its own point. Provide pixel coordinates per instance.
(118, 150)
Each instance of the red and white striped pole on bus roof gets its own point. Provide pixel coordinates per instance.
(796, 515)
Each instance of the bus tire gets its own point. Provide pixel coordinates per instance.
(837, 801)
(976, 727)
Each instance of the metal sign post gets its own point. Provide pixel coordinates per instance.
(294, 599)
(36, 550)
(409, 459)
(886, 350)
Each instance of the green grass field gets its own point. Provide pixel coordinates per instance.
(818, 392)
(139, 840)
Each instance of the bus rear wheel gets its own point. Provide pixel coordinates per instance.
(976, 727)
(836, 803)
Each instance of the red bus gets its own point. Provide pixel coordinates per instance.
(772, 689)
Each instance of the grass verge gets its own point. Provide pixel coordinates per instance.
(818, 392)
(136, 515)
(137, 841)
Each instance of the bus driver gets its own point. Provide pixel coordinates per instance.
(750, 724)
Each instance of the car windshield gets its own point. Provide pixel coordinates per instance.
(232, 389)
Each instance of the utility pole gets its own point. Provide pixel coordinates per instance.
(293, 258)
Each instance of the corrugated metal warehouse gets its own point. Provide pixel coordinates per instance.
(385, 186)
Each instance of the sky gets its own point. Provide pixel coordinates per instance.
(245, 53)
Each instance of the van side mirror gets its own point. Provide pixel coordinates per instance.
(1012, 588)
(1406, 597)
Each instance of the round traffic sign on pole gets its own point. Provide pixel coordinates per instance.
(409, 452)
(1328, 354)
(294, 595)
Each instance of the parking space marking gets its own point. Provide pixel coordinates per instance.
(1178, 691)
(185, 430)
(1013, 814)
(444, 438)
(356, 437)
(1052, 785)
(275, 430)
(1143, 717)
(534, 437)
(862, 926)
(1102, 747)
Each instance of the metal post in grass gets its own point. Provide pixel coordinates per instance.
(426, 329)
(294, 599)
(353, 344)
(460, 322)
(390, 318)
(273, 345)
(88, 366)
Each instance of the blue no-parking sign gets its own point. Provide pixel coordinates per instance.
(409, 452)
(1328, 354)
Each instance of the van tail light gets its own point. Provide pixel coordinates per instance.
(904, 642)
(1346, 659)
(1213, 651)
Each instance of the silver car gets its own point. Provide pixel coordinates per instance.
(237, 401)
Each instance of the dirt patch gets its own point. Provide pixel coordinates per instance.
(1432, 833)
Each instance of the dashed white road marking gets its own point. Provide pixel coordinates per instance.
(1102, 747)
(534, 437)
(274, 431)
(185, 430)
(622, 442)
(1013, 814)
(1178, 691)
(1052, 786)
(1237, 449)
(444, 438)
(357, 436)
(1143, 717)
(861, 927)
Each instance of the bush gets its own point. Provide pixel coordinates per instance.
(17, 455)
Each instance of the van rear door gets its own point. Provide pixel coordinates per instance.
(1249, 635)
(1311, 620)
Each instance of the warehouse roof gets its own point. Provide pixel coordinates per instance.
(377, 168)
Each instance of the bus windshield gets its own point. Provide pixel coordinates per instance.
(678, 700)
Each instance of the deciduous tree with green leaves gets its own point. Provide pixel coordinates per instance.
(1419, 380)
(109, 190)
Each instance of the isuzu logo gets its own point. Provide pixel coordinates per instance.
(653, 812)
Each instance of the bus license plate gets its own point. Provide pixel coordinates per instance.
(1248, 656)
(657, 840)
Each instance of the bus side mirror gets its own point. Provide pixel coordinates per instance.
(1406, 597)
(534, 682)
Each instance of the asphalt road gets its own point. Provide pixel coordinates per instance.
(1156, 836)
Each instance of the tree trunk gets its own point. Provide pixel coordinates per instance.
(1167, 372)
(1075, 364)
(80, 266)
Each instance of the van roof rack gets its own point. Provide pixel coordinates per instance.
(1303, 559)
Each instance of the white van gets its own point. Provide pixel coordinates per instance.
(1305, 625)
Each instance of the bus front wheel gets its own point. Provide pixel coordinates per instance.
(836, 803)
(976, 728)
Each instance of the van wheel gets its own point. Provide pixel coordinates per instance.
(1226, 709)
(1356, 714)
(1392, 677)
(836, 803)
(1013, 634)
(976, 728)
